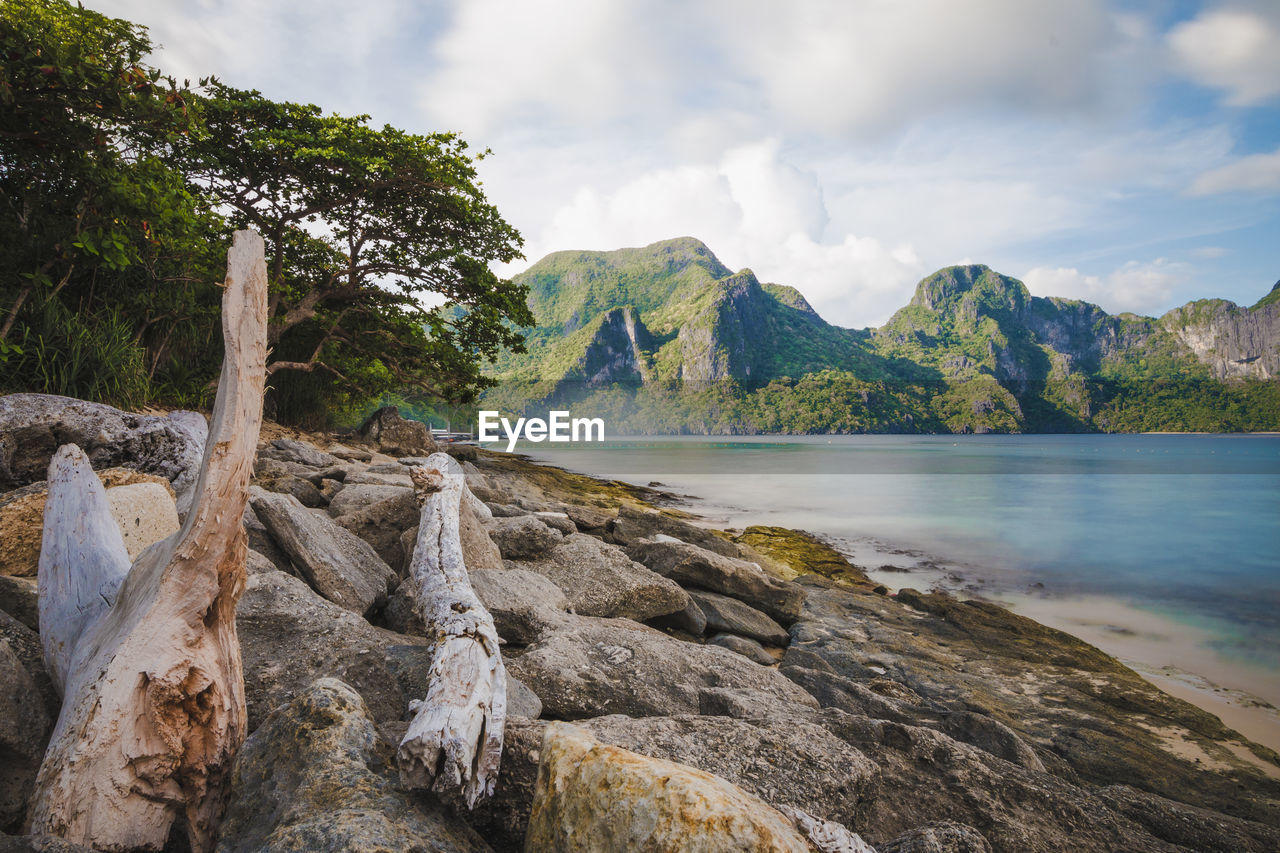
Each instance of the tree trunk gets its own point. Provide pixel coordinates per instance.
(454, 743)
(149, 664)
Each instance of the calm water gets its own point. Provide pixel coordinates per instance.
(1186, 525)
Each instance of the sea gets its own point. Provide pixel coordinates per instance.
(1182, 528)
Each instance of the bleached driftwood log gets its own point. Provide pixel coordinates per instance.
(153, 709)
(454, 743)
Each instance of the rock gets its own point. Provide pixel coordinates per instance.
(317, 776)
(350, 454)
(749, 649)
(521, 701)
(590, 519)
(145, 513)
(593, 797)
(396, 436)
(692, 566)
(260, 539)
(500, 510)
(256, 564)
(691, 620)
(557, 521)
(299, 452)
(783, 761)
(826, 836)
(993, 736)
(358, 496)
(22, 518)
(503, 819)
(329, 489)
(28, 710)
(600, 580)
(733, 617)
(338, 564)
(836, 691)
(592, 667)
(523, 537)
(274, 476)
(478, 550)
(945, 836)
(33, 426)
(19, 597)
(374, 478)
(634, 524)
(289, 637)
(39, 844)
(382, 524)
(525, 606)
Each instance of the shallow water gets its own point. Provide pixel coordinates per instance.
(1183, 526)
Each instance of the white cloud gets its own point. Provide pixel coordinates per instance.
(1209, 252)
(1141, 287)
(1255, 173)
(1236, 49)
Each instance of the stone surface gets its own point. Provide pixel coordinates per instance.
(521, 701)
(358, 496)
(731, 616)
(318, 776)
(557, 521)
(382, 523)
(634, 524)
(292, 450)
(523, 537)
(33, 426)
(748, 648)
(593, 667)
(594, 797)
(145, 513)
(943, 837)
(525, 606)
(396, 436)
(600, 580)
(785, 762)
(691, 620)
(276, 476)
(693, 566)
(376, 478)
(19, 597)
(338, 564)
(39, 844)
(478, 550)
(22, 518)
(28, 710)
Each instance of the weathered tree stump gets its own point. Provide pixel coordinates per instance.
(454, 744)
(147, 656)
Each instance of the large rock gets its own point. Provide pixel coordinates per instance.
(278, 477)
(634, 524)
(33, 426)
(478, 550)
(396, 436)
(783, 761)
(593, 667)
(28, 710)
(524, 537)
(694, 566)
(748, 648)
(946, 836)
(289, 636)
(733, 617)
(600, 580)
(22, 518)
(317, 776)
(382, 524)
(525, 606)
(340, 565)
(145, 513)
(593, 797)
(359, 496)
(39, 844)
(299, 452)
(20, 598)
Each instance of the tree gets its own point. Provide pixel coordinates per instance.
(361, 225)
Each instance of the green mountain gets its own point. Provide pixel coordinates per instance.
(665, 338)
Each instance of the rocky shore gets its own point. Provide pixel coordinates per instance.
(671, 687)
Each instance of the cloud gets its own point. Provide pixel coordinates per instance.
(1236, 49)
(1141, 287)
(1209, 252)
(1255, 173)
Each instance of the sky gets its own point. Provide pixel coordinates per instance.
(1126, 153)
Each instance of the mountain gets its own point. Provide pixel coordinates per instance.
(674, 341)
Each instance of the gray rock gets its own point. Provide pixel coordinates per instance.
(592, 667)
(349, 453)
(33, 426)
(693, 566)
(39, 844)
(523, 537)
(338, 564)
(782, 761)
(600, 580)
(590, 519)
(358, 496)
(748, 648)
(318, 776)
(396, 436)
(289, 636)
(503, 819)
(557, 521)
(373, 478)
(478, 550)
(731, 616)
(992, 735)
(691, 620)
(382, 524)
(945, 836)
(299, 452)
(634, 524)
(525, 606)
(256, 564)
(28, 710)
(260, 539)
(501, 510)
(276, 476)
(521, 701)
(19, 597)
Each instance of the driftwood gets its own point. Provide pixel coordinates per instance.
(454, 743)
(150, 669)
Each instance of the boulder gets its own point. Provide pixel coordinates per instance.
(523, 537)
(694, 566)
(20, 598)
(318, 776)
(600, 580)
(350, 454)
(399, 477)
(33, 426)
(783, 761)
(145, 513)
(594, 797)
(691, 620)
(521, 701)
(525, 606)
(589, 519)
(748, 648)
(260, 540)
(592, 667)
(945, 836)
(382, 524)
(298, 452)
(992, 735)
(28, 710)
(274, 476)
(289, 637)
(22, 518)
(396, 436)
(557, 521)
(338, 564)
(634, 524)
(478, 550)
(39, 844)
(731, 616)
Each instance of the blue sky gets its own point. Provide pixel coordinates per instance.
(1127, 153)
